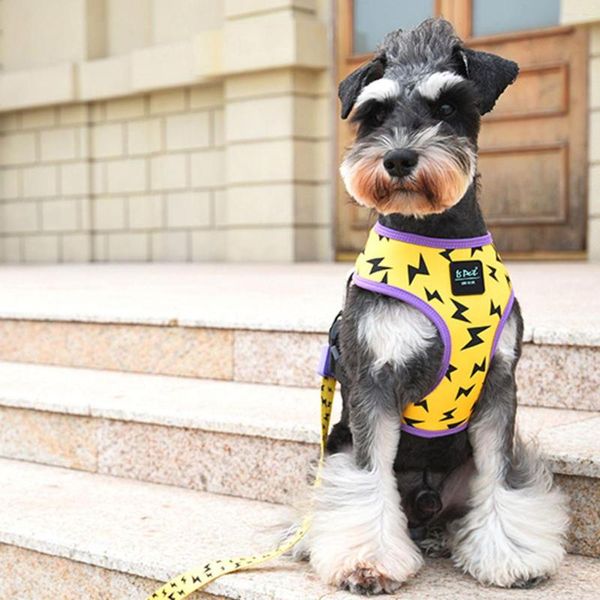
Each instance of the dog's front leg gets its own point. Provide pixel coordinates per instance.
(359, 537)
(513, 535)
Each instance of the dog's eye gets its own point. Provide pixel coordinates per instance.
(379, 114)
(445, 110)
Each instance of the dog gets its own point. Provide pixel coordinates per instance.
(391, 493)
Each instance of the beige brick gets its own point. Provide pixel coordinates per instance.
(10, 183)
(167, 102)
(264, 83)
(125, 108)
(10, 121)
(272, 161)
(98, 112)
(41, 117)
(188, 209)
(17, 148)
(76, 247)
(75, 179)
(189, 131)
(261, 244)
(83, 141)
(146, 212)
(99, 247)
(170, 246)
(144, 137)
(18, 217)
(11, 249)
(594, 239)
(98, 177)
(108, 140)
(40, 249)
(108, 213)
(238, 8)
(85, 213)
(218, 117)
(312, 160)
(242, 124)
(74, 114)
(40, 181)
(256, 205)
(594, 79)
(168, 171)
(127, 246)
(207, 168)
(594, 190)
(594, 136)
(314, 204)
(313, 243)
(126, 175)
(208, 245)
(206, 96)
(60, 215)
(58, 144)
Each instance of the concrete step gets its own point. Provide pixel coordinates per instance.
(266, 323)
(247, 440)
(68, 534)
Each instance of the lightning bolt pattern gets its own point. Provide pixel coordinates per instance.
(422, 272)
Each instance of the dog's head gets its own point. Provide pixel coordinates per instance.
(417, 107)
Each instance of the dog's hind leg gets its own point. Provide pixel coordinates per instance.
(513, 534)
(359, 538)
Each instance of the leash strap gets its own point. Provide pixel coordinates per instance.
(185, 584)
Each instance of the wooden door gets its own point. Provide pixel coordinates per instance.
(533, 146)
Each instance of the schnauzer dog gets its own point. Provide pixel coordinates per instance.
(390, 494)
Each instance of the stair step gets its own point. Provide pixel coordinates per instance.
(247, 440)
(68, 534)
(266, 323)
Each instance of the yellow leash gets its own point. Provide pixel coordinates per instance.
(187, 583)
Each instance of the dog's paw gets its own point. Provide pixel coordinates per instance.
(368, 580)
(526, 584)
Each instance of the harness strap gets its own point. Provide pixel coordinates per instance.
(185, 584)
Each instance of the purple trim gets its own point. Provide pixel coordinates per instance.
(424, 433)
(324, 368)
(431, 242)
(503, 319)
(426, 309)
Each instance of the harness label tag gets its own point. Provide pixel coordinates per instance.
(466, 277)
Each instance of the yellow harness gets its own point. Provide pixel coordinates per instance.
(464, 288)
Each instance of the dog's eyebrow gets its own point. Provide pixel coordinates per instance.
(434, 85)
(381, 89)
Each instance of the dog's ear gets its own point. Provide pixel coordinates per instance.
(490, 73)
(350, 88)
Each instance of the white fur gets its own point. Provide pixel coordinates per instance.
(507, 344)
(509, 534)
(380, 89)
(359, 527)
(395, 333)
(434, 85)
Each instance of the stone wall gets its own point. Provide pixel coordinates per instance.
(216, 147)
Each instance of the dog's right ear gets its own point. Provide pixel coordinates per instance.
(351, 87)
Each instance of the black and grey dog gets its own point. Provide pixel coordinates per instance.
(386, 498)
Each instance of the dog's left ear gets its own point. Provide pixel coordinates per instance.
(490, 73)
(351, 87)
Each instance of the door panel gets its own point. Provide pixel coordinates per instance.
(532, 146)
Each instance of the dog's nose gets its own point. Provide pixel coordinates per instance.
(399, 163)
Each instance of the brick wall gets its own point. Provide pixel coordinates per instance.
(137, 178)
(208, 136)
